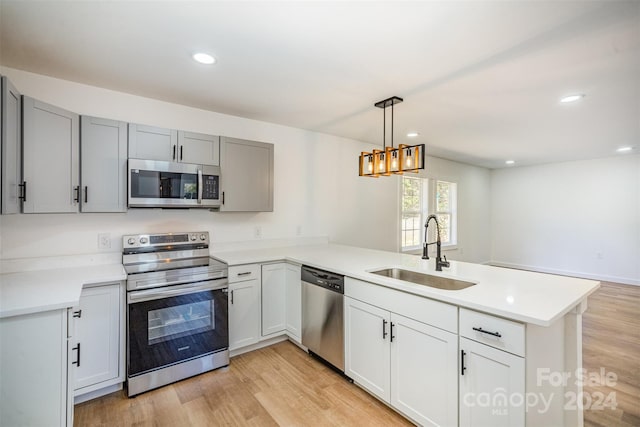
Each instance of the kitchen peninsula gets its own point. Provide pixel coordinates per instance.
(536, 317)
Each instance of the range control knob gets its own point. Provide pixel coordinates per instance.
(131, 241)
(203, 237)
(193, 237)
(143, 240)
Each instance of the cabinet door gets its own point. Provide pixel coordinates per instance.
(424, 372)
(11, 114)
(293, 300)
(246, 175)
(273, 298)
(50, 148)
(367, 353)
(491, 379)
(198, 148)
(33, 368)
(98, 334)
(244, 313)
(103, 165)
(152, 143)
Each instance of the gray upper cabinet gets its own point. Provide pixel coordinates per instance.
(11, 116)
(50, 149)
(198, 148)
(152, 143)
(103, 165)
(246, 175)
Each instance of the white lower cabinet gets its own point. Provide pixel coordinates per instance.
(424, 367)
(293, 302)
(34, 369)
(99, 343)
(492, 383)
(409, 364)
(244, 307)
(273, 298)
(367, 347)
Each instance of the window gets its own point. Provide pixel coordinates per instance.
(421, 197)
(445, 211)
(413, 209)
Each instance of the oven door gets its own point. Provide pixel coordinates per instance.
(170, 184)
(175, 323)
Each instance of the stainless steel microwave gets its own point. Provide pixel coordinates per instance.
(161, 184)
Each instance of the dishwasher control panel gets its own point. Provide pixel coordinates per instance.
(322, 278)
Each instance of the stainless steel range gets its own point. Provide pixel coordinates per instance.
(177, 312)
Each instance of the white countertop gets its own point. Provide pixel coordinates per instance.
(528, 297)
(43, 290)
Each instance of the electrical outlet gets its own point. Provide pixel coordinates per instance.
(104, 241)
(257, 232)
(299, 230)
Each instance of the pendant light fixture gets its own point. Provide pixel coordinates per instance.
(391, 160)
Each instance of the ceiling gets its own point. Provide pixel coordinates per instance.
(480, 80)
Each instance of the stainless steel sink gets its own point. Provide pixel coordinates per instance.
(424, 279)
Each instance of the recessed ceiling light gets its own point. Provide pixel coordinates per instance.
(204, 58)
(624, 149)
(571, 98)
(510, 162)
(412, 134)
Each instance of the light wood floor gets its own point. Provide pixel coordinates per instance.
(282, 385)
(277, 385)
(611, 340)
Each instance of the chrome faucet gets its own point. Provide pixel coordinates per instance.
(439, 262)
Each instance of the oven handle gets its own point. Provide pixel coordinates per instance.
(151, 294)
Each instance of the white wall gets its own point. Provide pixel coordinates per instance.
(577, 218)
(317, 186)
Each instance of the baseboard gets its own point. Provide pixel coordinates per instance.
(97, 393)
(581, 275)
(258, 345)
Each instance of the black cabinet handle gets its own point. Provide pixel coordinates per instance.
(77, 190)
(462, 367)
(77, 314)
(86, 194)
(23, 196)
(173, 156)
(495, 334)
(181, 147)
(384, 329)
(392, 337)
(223, 197)
(77, 362)
(232, 296)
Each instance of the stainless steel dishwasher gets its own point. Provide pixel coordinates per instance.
(322, 315)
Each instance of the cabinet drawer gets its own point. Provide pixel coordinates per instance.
(240, 273)
(494, 331)
(425, 310)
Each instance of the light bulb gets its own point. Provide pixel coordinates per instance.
(409, 161)
(394, 163)
(370, 167)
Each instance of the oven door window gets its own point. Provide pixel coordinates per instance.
(170, 330)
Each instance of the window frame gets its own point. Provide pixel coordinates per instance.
(422, 212)
(428, 206)
(452, 212)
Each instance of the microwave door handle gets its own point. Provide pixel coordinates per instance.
(199, 186)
